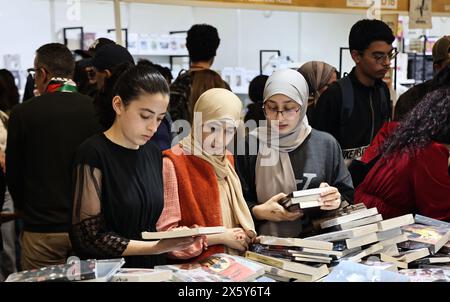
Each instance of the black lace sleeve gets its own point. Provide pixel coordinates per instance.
(89, 235)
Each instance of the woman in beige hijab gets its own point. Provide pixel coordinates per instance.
(299, 158)
(201, 186)
(319, 75)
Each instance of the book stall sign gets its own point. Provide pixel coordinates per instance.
(386, 4)
(420, 14)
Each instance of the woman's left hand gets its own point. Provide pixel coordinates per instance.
(330, 199)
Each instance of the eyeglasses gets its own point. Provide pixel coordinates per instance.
(288, 114)
(381, 58)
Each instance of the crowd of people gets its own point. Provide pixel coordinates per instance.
(90, 160)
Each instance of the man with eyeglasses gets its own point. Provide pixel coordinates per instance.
(43, 135)
(355, 108)
(441, 59)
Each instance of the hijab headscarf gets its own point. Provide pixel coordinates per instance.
(317, 74)
(221, 105)
(276, 176)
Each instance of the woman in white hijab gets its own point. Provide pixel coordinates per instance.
(303, 158)
(201, 186)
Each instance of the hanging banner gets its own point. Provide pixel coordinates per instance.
(420, 14)
(386, 4)
(439, 6)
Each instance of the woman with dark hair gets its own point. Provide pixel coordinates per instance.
(255, 94)
(9, 94)
(412, 176)
(118, 184)
(203, 80)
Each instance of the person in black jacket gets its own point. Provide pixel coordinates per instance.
(43, 134)
(441, 60)
(370, 106)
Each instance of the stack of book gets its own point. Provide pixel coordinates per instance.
(355, 234)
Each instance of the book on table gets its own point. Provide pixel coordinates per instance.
(216, 268)
(420, 236)
(77, 270)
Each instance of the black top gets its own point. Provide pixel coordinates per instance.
(43, 135)
(363, 124)
(318, 159)
(118, 193)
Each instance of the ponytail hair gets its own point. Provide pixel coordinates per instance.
(128, 81)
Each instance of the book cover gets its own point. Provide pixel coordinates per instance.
(235, 268)
(349, 217)
(420, 219)
(346, 234)
(359, 222)
(303, 199)
(217, 268)
(396, 222)
(296, 242)
(426, 236)
(288, 265)
(427, 275)
(177, 233)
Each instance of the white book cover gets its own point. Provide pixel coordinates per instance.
(177, 233)
(346, 234)
(350, 217)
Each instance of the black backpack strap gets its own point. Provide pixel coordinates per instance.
(347, 101)
(386, 108)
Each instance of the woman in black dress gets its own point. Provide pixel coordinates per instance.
(118, 186)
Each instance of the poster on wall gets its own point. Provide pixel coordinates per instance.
(392, 21)
(420, 14)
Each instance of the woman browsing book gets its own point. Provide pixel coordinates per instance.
(201, 187)
(291, 156)
(118, 185)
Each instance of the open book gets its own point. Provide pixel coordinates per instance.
(177, 233)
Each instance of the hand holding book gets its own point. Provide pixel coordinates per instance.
(236, 238)
(272, 210)
(330, 199)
